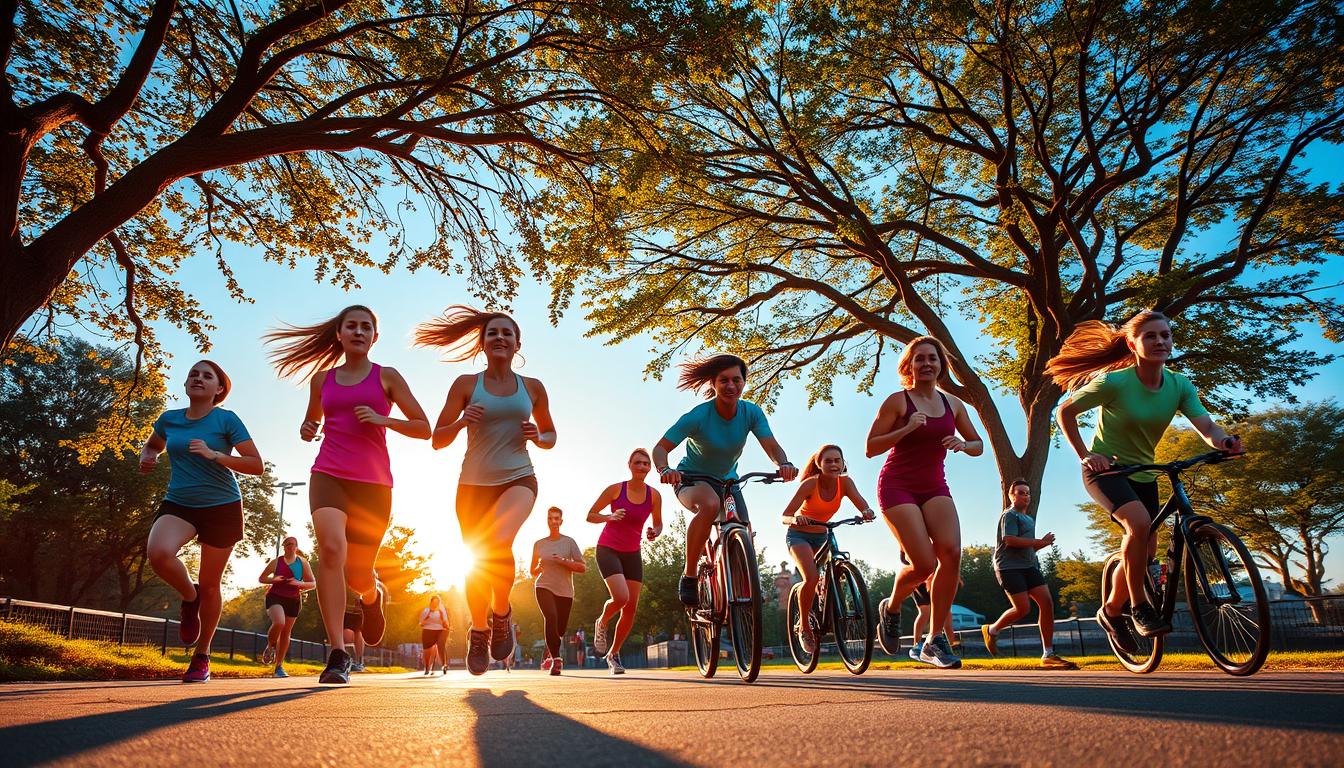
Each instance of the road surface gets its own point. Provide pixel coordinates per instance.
(658, 718)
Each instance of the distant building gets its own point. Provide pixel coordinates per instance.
(965, 618)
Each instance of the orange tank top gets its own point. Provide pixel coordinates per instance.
(822, 510)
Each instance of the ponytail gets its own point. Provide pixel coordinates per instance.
(460, 330)
(1095, 347)
(813, 466)
(311, 348)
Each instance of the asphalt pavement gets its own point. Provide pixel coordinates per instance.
(657, 718)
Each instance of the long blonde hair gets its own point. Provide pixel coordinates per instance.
(1095, 347)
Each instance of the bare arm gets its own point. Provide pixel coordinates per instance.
(535, 567)
(312, 418)
(856, 498)
(776, 453)
(311, 581)
(149, 454)
(603, 500)
(666, 474)
(268, 574)
(790, 514)
(971, 444)
(884, 434)
(541, 430)
(415, 424)
(657, 515)
(1067, 419)
(1216, 437)
(248, 462)
(456, 413)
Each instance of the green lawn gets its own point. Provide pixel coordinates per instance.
(33, 653)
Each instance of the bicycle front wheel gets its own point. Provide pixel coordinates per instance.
(805, 661)
(852, 620)
(744, 602)
(1149, 653)
(1228, 604)
(705, 630)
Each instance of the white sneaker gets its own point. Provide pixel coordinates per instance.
(600, 636)
(614, 664)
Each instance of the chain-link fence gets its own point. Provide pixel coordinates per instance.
(130, 629)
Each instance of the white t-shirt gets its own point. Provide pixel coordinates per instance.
(434, 620)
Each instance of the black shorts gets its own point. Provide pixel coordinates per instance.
(367, 506)
(611, 562)
(737, 496)
(1015, 581)
(429, 638)
(290, 604)
(220, 526)
(475, 502)
(1114, 491)
(354, 619)
(921, 595)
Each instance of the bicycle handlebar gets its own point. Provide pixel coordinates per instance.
(759, 477)
(1212, 457)
(850, 521)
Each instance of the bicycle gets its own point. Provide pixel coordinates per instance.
(729, 584)
(840, 608)
(1234, 629)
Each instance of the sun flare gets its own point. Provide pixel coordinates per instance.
(450, 564)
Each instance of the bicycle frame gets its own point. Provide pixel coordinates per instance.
(727, 518)
(826, 558)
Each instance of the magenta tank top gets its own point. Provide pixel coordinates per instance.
(283, 569)
(624, 535)
(916, 462)
(351, 449)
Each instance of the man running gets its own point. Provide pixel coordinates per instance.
(1019, 573)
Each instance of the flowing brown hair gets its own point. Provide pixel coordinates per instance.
(311, 348)
(460, 330)
(225, 383)
(1095, 347)
(905, 363)
(813, 465)
(702, 371)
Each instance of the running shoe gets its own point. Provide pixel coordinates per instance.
(546, 663)
(915, 651)
(938, 652)
(888, 629)
(189, 619)
(991, 640)
(268, 655)
(688, 591)
(600, 636)
(1054, 662)
(478, 651)
(614, 664)
(557, 666)
(374, 621)
(198, 671)
(807, 638)
(501, 635)
(1119, 631)
(338, 668)
(356, 666)
(280, 672)
(1148, 621)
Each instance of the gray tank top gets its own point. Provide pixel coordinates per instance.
(496, 450)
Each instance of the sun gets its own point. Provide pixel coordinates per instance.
(449, 565)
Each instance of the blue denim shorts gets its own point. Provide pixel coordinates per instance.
(814, 540)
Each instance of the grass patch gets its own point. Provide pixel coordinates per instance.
(1288, 661)
(29, 653)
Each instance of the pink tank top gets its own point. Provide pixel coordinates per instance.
(351, 449)
(283, 569)
(916, 462)
(624, 535)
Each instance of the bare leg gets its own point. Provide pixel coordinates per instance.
(627, 619)
(166, 539)
(1136, 548)
(1046, 606)
(1017, 610)
(213, 561)
(282, 646)
(912, 534)
(619, 590)
(940, 516)
(803, 556)
(276, 614)
(703, 502)
(329, 525)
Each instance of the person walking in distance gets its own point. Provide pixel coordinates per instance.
(917, 426)
(555, 560)
(288, 576)
(433, 623)
(203, 502)
(1123, 371)
(353, 634)
(1019, 573)
(350, 490)
(501, 413)
(629, 505)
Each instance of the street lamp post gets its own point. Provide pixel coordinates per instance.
(284, 491)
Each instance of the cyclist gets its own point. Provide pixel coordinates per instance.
(618, 558)
(1124, 372)
(555, 560)
(824, 485)
(917, 427)
(203, 502)
(350, 490)
(1019, 573)
(288, 576)
(715, 433)
(497, 487)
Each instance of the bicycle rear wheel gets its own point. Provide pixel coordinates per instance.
(1149, 654)
(1231, 619)
(806, 662)
(705, 631)
(852, 620)
(744, 602)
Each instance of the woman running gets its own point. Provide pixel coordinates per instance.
(1138, 397)
(288, 576)
(917, 426)
(715, 433)
(202, 502)
(433, 623)
(350, 491)
(818, 498)
(501, 412)
(631, 503)
(555, 560)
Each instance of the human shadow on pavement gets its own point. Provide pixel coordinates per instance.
(513, 732)
(50, 740)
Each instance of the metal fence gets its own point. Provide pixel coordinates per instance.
(131, 629)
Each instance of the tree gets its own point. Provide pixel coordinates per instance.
(138, 134)
(860, 171)
(1080, 579)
